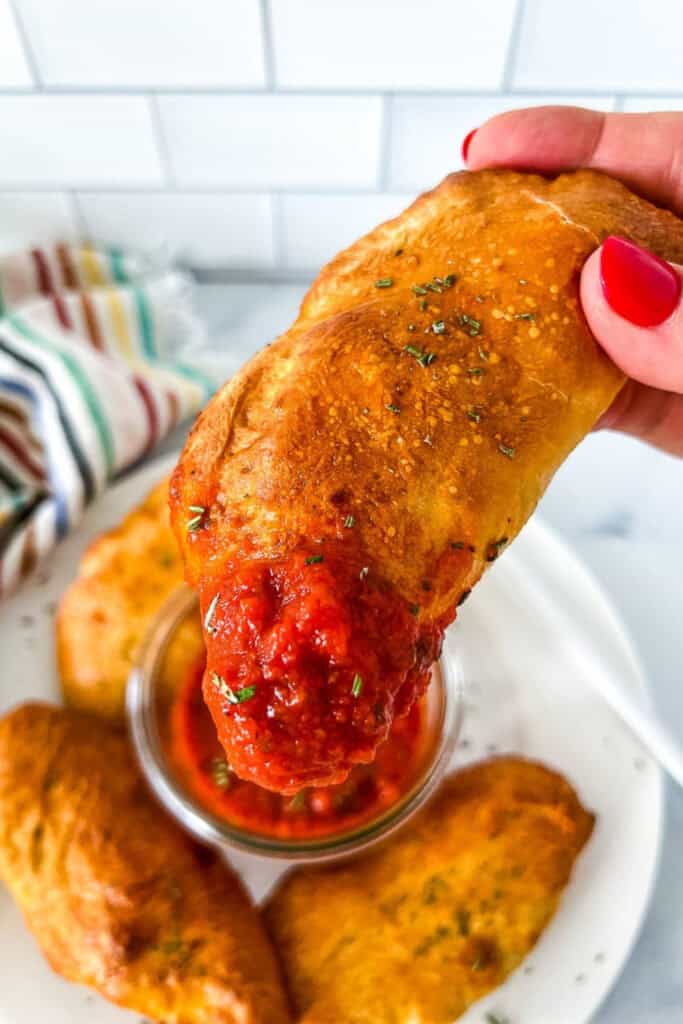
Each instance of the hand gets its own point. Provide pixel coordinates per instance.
(632, 299)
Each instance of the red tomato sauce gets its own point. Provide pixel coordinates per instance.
(200, 762)
(309, 661)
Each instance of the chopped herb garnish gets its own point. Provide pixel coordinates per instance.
(509, 452)
(478, 298)
(441, 933)
(349, 522)
(525, 316)
(298, 801)
(194, 523)
(457, 545)
(220, 772)
(462, 918)
(423, 358)
(233, 696)
(393, 408)
(483, 354)
(439, 327)
(363, 574)
(474, 414)
(414, 609)
(463, 597)
(495, 548)
(473, 326)
(314, 559)
(435, 285)
(208, 618)
(384, 282)
(197, 508)
(357, 685)
(450, 280)
(411, 327)
(475, 371)
(419, 290)
(423, 305)
(493, 1018)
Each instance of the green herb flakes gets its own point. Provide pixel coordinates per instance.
(423, 358)
(411, 328)
(475, 371)
(210, 612)
(220, 773)
(232, 696)
(472, 326)
(525, 316)
(450, 279)
(314, 560)
(423, 305)
(439, 327)
(495, 548)
(196, 521)
(474, 414)
(509, 453)
(483, 354)
(393, 408)
(357, 685)
(349, 522)
(457, 545)
(462, 919)
(384, 282)
(297, 803)
(418, 289)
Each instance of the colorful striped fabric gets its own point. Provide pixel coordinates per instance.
(89, 383)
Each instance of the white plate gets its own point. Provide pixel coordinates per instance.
(528, 692)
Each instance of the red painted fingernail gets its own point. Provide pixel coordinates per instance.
(637, 284)
(466, 144)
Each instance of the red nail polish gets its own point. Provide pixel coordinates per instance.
(466, 144)
(637, 284)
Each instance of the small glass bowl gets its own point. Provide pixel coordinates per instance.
(151, 690)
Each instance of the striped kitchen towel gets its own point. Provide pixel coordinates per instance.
(90, 380)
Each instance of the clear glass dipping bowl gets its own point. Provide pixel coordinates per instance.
(149, 696)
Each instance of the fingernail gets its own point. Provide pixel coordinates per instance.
(466, 144)
(637, 284)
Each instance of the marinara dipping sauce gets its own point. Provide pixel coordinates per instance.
(200, 763)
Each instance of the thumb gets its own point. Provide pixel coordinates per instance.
(632, 301)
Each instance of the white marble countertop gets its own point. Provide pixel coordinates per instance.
(618, 503)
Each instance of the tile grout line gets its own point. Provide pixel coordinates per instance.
(512, 52)
(160, 140)
(268, 45)
(29, 54)
(347, 92)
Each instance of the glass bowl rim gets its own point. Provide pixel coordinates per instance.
(217, 832)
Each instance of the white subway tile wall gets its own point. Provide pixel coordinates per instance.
(272, 141)
(145, 43)
(263, 135)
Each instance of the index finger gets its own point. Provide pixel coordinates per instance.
(643, 150)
